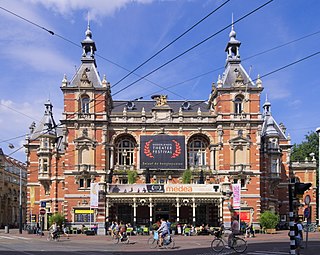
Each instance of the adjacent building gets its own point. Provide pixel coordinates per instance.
(190, 161)
(13, 190)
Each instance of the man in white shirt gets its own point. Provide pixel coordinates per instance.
(163, 231)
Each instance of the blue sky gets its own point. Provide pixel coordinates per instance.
(127, 32)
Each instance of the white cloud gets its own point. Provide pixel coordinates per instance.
(41, 59)
(96, 8)
(276, 89)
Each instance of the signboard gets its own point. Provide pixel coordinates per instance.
(164, 188)
(162, 152)
(136, 188)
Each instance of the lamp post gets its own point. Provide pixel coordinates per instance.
(20, 203)
(318, 132)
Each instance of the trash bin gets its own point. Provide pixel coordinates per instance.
(6, 229)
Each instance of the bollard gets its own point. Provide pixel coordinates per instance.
(6, 229)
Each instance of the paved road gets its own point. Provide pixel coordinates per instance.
(25, 244)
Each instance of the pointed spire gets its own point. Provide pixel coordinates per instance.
(233, 45)
(88, 46)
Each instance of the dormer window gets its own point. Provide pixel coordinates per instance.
(238, 108)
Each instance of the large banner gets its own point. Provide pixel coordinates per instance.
(236, 189)
(94, 195)
(162, 152)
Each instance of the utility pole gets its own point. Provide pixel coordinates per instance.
(291, 220)
(318, 132)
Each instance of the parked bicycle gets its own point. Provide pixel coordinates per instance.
(219, 243)
(154, 242)
(117, 238)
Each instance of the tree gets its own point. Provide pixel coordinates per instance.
(269, 220)
(303, 150)
(57, 218)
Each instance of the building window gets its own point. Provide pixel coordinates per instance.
(45, 165)
(197, 151)
(274, 166)
(84, 183)
(238, 105)
(242, 182)
(85, 104)
(125, 152)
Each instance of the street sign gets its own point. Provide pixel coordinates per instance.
(43, 204)
(42, 211)
(307, 200)
(306, 212)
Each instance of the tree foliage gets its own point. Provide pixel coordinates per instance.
(186, 177)
(132, 176)
(269, 220)
(57, 218)
(310, 145)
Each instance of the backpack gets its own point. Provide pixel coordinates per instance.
(296, 229)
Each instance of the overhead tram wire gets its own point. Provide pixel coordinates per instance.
(244, 59)
(193, 47)
(52, 33)
(79, 46)
(172, 42)
(265, 75)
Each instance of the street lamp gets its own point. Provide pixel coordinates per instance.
(318, 132)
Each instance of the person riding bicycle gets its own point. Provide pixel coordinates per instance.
(54, 229)
(122, 230)
(163, 231)
(235, 230)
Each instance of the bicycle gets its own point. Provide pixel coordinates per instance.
(122, 239)
(54, 237)
(238, 244)
(312, 227)
(154, 241)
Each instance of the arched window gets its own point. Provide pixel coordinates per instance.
(125, 151)
(197, 151)
(85, 104)
(238, 105)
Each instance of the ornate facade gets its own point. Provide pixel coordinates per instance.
(159, 157)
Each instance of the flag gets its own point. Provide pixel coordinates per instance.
(94, 195)
(236, 189)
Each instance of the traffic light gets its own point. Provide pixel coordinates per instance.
(147, 175)
(300, 188)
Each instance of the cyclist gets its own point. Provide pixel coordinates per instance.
(163, 231)
(122, 230)
(54, 230)
(235, 230)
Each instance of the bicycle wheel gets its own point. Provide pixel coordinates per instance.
(49, 237)
(116, 239)
(239, 245)
(152, 243)
(217, 245)
(170, 245)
